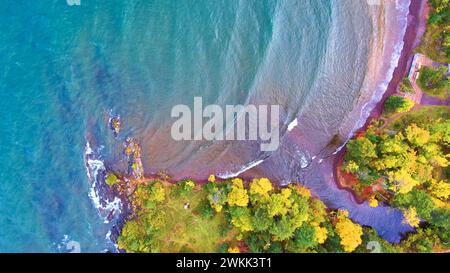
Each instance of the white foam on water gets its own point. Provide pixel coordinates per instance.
(88, 150)
(73, 2)
(402, 7)
(285, 182)
(243, 169)
(112, 206)
(108, 235)
(68, 245)
(292, 125)
(303, 161)
(104, 206)
(93, 167)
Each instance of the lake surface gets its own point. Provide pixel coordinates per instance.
(64, 68)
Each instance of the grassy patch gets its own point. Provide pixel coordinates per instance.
(441, 93)
(185, 229)
(422, 117)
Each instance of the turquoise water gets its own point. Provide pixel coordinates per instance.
(64, 68)
(43, 185)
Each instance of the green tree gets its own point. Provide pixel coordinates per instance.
(434, 82)
(439, 5)
(205, 209)
(440, 217)
(282, 229)
(361, 150)
(305, 237)
(241, 218)
(418, 199)
(261, 219)
(396, 104)
(422, 241)
(431, 77)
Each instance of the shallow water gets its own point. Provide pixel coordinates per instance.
(65, 67)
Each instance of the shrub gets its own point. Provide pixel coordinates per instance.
(396, 104)
(432, 77)
(184, 187)
(434, 82)
(406, 86)
(111, 179)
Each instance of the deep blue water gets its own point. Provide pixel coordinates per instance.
(64, 68)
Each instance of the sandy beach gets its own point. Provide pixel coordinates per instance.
(414, 32)
(388, 63)
(416, 27)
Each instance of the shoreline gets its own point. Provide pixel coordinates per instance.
(414, 31)
(118, 215)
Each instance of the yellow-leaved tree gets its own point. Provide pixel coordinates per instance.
(234, 249)
(401, 181)
(440, 189)
(302, 191)
(212, 178)
(411, 217)
(349, 232)
(416, 135)
(279, 203)
(321, 234)
(372, 201)
(261, 186)
(157, 193)
(238, 195)
(351, 167)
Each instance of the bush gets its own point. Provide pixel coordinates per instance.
(396, 104)
(184, 187)
(435, 43)
(432, 77)
(111, 180)
(406, 86)
(433, 81)
(205, 210)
